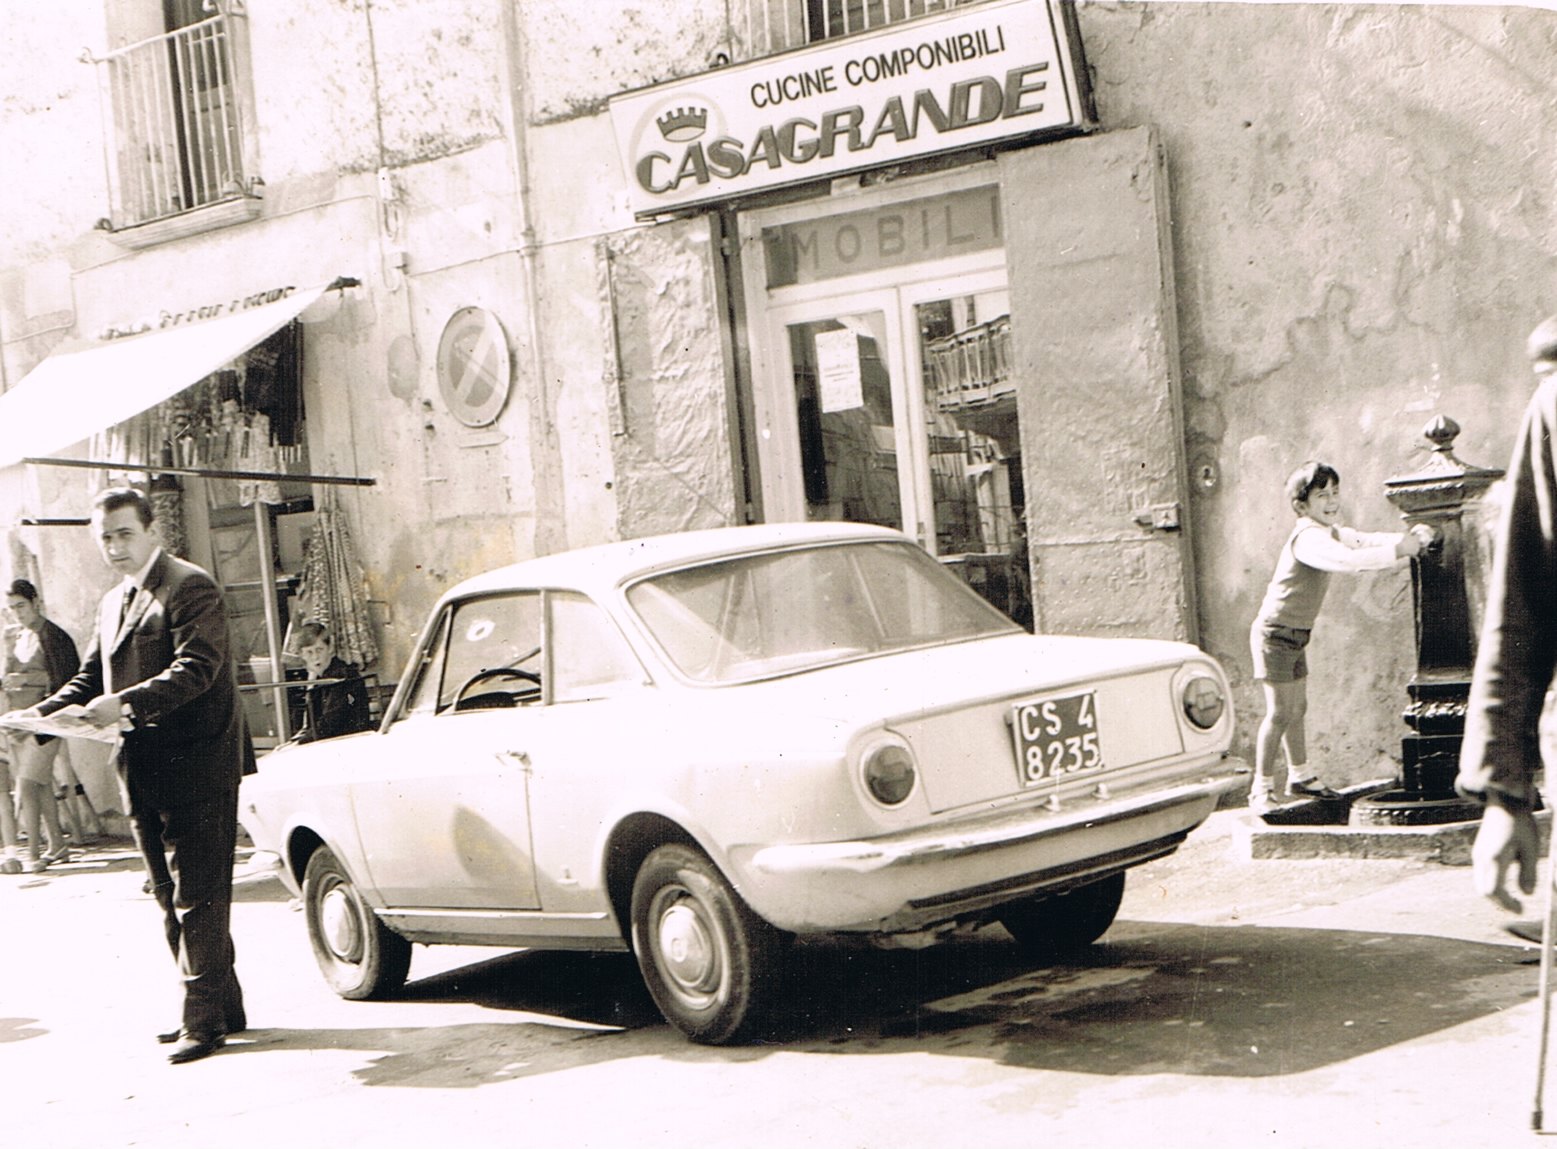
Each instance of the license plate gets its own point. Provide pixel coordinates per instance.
(1056, 738)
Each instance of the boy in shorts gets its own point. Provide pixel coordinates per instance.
(1317, 547)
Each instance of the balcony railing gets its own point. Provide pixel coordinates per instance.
(173, 125)
(774, 25)
(971, 367)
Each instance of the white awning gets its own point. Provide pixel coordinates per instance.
(83, 389)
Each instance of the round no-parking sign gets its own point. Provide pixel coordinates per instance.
(474, 370)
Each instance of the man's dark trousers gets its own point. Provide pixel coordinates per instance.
(188, 850)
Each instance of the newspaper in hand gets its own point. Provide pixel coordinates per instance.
(67, 722)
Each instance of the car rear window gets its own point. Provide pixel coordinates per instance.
(752, 617)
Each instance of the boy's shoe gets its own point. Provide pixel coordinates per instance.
(1312, 788)
(1262, 802)
(37, 866)
(56, 857)
(11, 866)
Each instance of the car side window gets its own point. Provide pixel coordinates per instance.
(423, 696)
(589, 656)
(494, 653)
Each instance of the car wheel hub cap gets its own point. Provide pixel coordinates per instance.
(338, 924)
(690, 955)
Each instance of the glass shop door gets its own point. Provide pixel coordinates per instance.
(896, 406)
(845, 452)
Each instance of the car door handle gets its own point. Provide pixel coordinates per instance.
(519, 758)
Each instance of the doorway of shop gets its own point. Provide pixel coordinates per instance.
(881, 354)
(987, 360)
(900, 410)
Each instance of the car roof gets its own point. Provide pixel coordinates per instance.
(599, 568)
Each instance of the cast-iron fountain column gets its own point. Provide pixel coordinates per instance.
(1446, 616)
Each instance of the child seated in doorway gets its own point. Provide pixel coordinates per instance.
(336, 700)
(1317, 547)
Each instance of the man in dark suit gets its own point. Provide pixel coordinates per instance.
(160, 665)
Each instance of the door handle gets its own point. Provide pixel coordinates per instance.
(519, 758)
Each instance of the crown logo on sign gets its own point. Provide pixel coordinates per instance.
(681, 124)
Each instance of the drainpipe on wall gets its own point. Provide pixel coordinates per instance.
(550, 529)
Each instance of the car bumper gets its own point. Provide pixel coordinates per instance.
(906, 882)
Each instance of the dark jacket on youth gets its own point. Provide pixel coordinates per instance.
(335, 708)
(60, 662)
(60, 659)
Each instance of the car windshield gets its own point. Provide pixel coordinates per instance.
(740, 619)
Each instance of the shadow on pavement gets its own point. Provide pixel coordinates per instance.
(1237, 1001)
(1227, 1001)
(19, 1029)
(595, 989)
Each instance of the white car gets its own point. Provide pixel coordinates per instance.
(702, 745)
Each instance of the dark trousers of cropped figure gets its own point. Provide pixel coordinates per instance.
(188, 850)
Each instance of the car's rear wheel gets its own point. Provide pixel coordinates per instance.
(708, 960)
(359, 955)
(1064, 923)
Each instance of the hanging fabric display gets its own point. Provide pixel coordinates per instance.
(333, 592)
(256, 453)
(167, 504)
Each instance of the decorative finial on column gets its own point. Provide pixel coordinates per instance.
(1441, 431)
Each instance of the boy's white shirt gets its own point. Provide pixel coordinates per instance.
(1342, 550)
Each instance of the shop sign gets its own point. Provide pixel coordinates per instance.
(212, 309)
(811, 250)
(988, 72)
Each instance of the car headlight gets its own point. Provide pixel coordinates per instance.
(889, 772)
(1203, 701)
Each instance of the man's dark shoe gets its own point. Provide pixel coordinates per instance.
(236, 1023)
(194, 1046)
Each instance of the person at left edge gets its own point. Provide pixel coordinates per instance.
(39, 658)
(160, 665)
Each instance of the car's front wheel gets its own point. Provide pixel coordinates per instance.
(708, 960)
(1064, 923)
(359, 955)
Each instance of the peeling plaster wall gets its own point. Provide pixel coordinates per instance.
(1364, 225)
(35, 95)
(584, 51)
(312, 67)
(671, 441)
(629, 313)
(43, 86)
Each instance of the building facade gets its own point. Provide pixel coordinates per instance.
(1069, 320)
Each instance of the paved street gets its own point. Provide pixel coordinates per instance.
(1236, 1003)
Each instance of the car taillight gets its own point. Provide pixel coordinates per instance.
(889, 772)
(1203, 702)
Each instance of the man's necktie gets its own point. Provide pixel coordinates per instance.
(124, 607)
